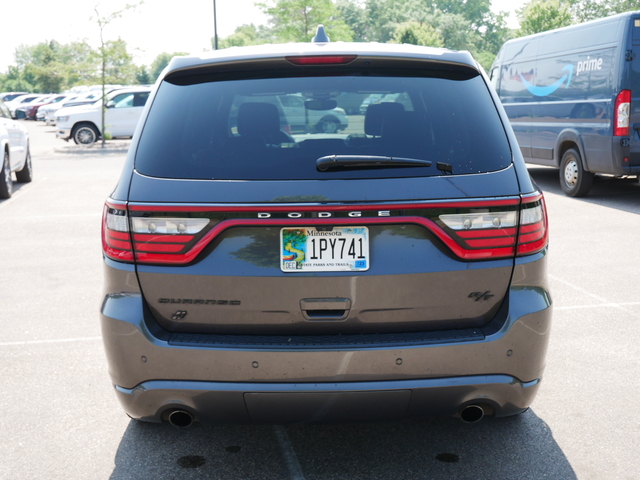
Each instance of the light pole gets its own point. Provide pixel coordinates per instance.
(215, 27)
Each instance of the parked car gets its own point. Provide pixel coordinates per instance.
(303, 115)
(258, 275)
(8, 96)
(14, 147)
(31, 109)
(57, 100)
(83, 122)
(573, 100)
(21, 101)
(74, 100)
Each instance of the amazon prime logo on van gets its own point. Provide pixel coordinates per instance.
(583, 66)
(540, 91)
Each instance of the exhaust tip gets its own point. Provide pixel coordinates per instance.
(181, 418)
(472, 413)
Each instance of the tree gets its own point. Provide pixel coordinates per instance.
(415, 33)
(142, 76)
(247, 35)
(584, 10)
(14, 81)
(477, 12)
(160, 62)
(106, 50)
(297, 20)
(81, 62)
(355, 17)
(119, 67)
(456, 32)
(542, 15)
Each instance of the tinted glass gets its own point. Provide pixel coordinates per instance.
(276, 128)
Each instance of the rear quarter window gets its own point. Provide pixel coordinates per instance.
(276, 128)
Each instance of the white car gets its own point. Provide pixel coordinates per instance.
(14, 141)
(313, 115)
(21, 101)
(49, 111)
(82, 123)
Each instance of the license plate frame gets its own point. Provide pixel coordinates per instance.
(332, 249)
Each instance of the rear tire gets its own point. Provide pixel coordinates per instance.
(26, 174)
(574, 179)
(328, 125)
(85, 134)
(6, 183)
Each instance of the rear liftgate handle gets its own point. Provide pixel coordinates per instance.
(323, 309)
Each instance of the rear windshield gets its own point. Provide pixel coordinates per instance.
(261, 128)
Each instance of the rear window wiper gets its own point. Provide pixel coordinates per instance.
(333, 162)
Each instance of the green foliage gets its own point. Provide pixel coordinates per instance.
(142, 76)
(160, 63)
(416, 33)
(584, 10)
(542, 15)
(245, 35)
(119, 67)
(297, 20)
(485, 59)
(456, 32)
(476, 12)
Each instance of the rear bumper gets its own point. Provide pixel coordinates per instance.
(499, 368)
(499, 395)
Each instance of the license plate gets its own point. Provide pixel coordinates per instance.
(341, 249)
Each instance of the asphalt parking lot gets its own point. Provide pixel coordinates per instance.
(60, 418)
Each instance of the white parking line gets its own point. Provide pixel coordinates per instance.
(59, 340)
(23, 191)
(289, 454)
(600, 305)
(605, 302)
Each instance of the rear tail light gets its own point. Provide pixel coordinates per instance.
(155, 239)
(621, 119)
(488, 234)
(116, 241)
(176, 235)
(534, 232)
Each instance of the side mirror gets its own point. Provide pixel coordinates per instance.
(111, 104)
(21, 114)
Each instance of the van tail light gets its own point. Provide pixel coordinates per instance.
(621, 114)
(500, 234)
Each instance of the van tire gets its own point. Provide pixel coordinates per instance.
(574, 179)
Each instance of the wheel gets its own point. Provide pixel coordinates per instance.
(328, 125)
(6, 184)
(574, 179)
(26, 174)
(85, 134)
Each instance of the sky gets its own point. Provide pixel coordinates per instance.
(154, 27)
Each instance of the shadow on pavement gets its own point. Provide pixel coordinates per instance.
(520, 447)
(619, 193)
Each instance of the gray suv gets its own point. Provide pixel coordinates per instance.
(391, 269)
